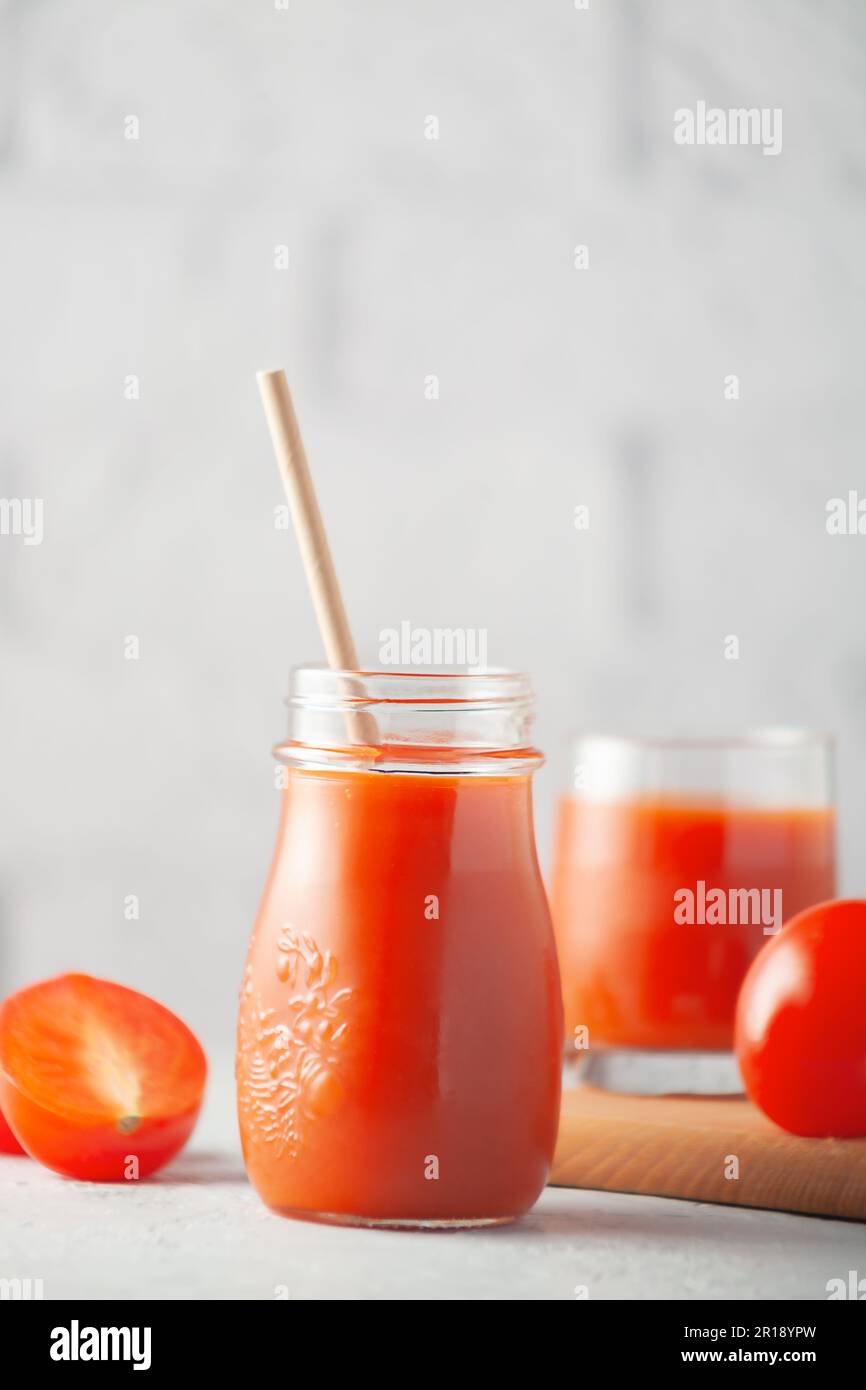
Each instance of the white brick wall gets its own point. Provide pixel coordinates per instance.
(155, 257)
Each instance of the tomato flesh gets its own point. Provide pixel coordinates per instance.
(801, 1023)
(8, 1143)
(97, 1081)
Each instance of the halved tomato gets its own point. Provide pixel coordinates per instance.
(97, 1081)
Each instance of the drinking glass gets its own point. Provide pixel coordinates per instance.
(675, 860)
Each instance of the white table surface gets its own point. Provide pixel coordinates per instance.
(199, 1231)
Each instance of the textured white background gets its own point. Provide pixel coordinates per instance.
(156, 257)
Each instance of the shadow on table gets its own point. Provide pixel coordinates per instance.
(647, 1218)
(199, 1169)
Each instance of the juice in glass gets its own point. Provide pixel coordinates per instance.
(674, 862)
(400, 1029)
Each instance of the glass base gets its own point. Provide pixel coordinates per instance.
(395, 1223)
(641, 1072)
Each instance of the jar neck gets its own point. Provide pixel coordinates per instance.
(467, 722)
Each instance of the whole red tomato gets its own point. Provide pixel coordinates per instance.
(801, 1023)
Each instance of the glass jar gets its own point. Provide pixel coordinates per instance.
(675, 860)
(400, 1029)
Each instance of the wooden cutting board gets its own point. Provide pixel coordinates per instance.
(682, 1146)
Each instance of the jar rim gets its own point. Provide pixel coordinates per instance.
(463, 720)
(316, 684)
